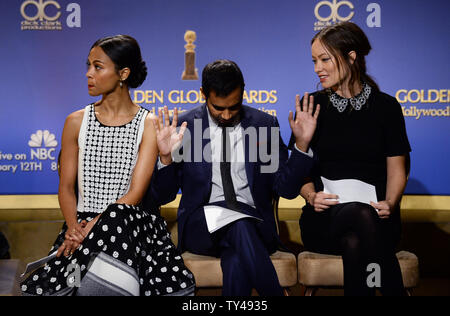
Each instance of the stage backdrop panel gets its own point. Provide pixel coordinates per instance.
(46, 43)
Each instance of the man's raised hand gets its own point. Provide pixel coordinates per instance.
(167, 137)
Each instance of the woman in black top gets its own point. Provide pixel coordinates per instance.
(360, 135)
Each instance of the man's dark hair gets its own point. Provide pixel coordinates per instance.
(223, 77)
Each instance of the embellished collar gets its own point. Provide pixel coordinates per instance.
(356, 102)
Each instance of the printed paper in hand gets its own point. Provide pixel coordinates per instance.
(36, 264)
(350, 190)
(218, 217)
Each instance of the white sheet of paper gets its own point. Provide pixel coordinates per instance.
(36, 264)
(218, 217)
(350, 190)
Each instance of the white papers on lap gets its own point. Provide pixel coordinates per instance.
(36, 264)
(218, 217)
(350, 190)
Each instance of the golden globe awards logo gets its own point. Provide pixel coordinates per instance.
(44, 15)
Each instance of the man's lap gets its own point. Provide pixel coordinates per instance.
(198, 240)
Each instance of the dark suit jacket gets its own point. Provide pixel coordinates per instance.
(195, 178)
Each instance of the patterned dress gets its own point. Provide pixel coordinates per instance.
(129, 250)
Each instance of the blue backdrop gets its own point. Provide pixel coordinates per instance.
(46, 43)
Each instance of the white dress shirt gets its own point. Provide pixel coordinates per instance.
(238, 173)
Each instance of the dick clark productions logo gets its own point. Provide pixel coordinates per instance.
(334, 7)
(45, 15)
(373, 19)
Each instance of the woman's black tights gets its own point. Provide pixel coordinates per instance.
(368, 250)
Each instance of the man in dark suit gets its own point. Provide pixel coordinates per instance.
(230, 164)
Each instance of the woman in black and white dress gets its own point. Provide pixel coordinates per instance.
(109, 149)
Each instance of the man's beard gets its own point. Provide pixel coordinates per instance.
(228, 123)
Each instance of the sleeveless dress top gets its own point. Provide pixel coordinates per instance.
(129, 250)
(107, 157)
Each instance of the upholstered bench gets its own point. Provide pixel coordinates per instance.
(317, 270)
(208, 272)
(9, 270)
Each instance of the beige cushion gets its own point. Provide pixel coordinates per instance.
(315, 269)
(9, 270)
(208, 272)
(409, 264)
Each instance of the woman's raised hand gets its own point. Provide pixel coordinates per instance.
(305, 122)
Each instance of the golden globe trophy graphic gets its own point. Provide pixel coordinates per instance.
(190, 72)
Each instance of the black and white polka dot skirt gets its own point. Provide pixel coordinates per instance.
(127, 252)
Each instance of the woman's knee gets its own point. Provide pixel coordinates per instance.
(363, 213)
(119, 217)
(350, 243)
